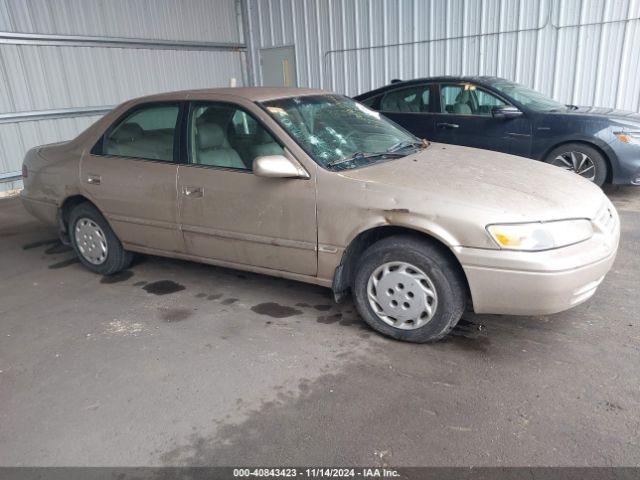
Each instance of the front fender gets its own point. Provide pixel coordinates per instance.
(404, 218)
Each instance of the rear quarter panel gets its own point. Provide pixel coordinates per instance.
(54, 169)
(52, 173)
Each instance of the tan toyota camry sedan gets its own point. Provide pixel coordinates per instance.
(316, 187)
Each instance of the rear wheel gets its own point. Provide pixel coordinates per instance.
(409, 289)
(94, 242)
(581, 159)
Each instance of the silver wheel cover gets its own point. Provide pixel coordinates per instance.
(402, 295)
(91, 241)
(576, 162)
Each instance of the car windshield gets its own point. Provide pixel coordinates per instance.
(340, 133)
(529, 98)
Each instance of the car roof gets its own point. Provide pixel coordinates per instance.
(254, 94)
(479, 79)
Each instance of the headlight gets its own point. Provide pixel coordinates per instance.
(632, 138)
(541, 235)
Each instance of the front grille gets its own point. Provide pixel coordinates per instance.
(605, 218)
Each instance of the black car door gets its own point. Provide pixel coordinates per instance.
(465, 118)
(410, 108)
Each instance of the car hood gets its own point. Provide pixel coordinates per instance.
(466, 182)
(622, 116)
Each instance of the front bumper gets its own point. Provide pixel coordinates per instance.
(540, 283)
(626, 163)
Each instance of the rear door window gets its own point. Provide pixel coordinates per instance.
(406, 100)
(148, 133)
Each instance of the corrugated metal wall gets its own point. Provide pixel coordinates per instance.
(578, 51)
(40, 77)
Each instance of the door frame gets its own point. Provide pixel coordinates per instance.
(440, 116)
(270, 126)
(277, 47)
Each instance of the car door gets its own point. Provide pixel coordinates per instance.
(130, 174)
(465, 118)
(410, 107)
(227, 213)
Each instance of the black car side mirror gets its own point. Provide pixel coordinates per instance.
(506, 112)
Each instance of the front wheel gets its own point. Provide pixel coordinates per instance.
(94, 242)
(581, 159)
(409, 289)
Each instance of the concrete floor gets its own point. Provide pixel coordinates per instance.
(219, 367)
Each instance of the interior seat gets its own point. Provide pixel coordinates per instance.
(401, 102)
(123, 141)
(463, 103)
(461, 108)
(265, 145)
(214, 149)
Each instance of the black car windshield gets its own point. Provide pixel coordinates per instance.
(340, 133)
(529, 98)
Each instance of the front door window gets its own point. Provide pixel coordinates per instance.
(223, 135)
(467, 99)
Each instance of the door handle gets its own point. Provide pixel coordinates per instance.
(193, 192)
(447, 126)
(94, 179)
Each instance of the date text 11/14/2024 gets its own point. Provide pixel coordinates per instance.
(315, 473)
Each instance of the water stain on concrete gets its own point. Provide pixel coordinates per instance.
(230, 441)
(215, 296)
(275, 310)
(117, 277)
(322, 308)
(40, 243)
(58, 247)
(63, 263)
(140, 283)
(468, 326)
(171, 315)
(329, 319)
(163, 287)
(229, 301)
(340, 319)
(468, 336)
(200, 295)
(303, 305)
(352, 320)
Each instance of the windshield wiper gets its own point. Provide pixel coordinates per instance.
(363, 156)
(406, 144)
(572, 107)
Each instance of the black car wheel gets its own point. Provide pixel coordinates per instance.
(581, 159)
(94, 242)
(409, 289)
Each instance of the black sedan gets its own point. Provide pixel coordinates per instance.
(602, 145)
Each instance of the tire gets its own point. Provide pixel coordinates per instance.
(116, 257)
(562, 157)
(424, 258)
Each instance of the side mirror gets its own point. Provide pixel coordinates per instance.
(277, 166)
(506, 112)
